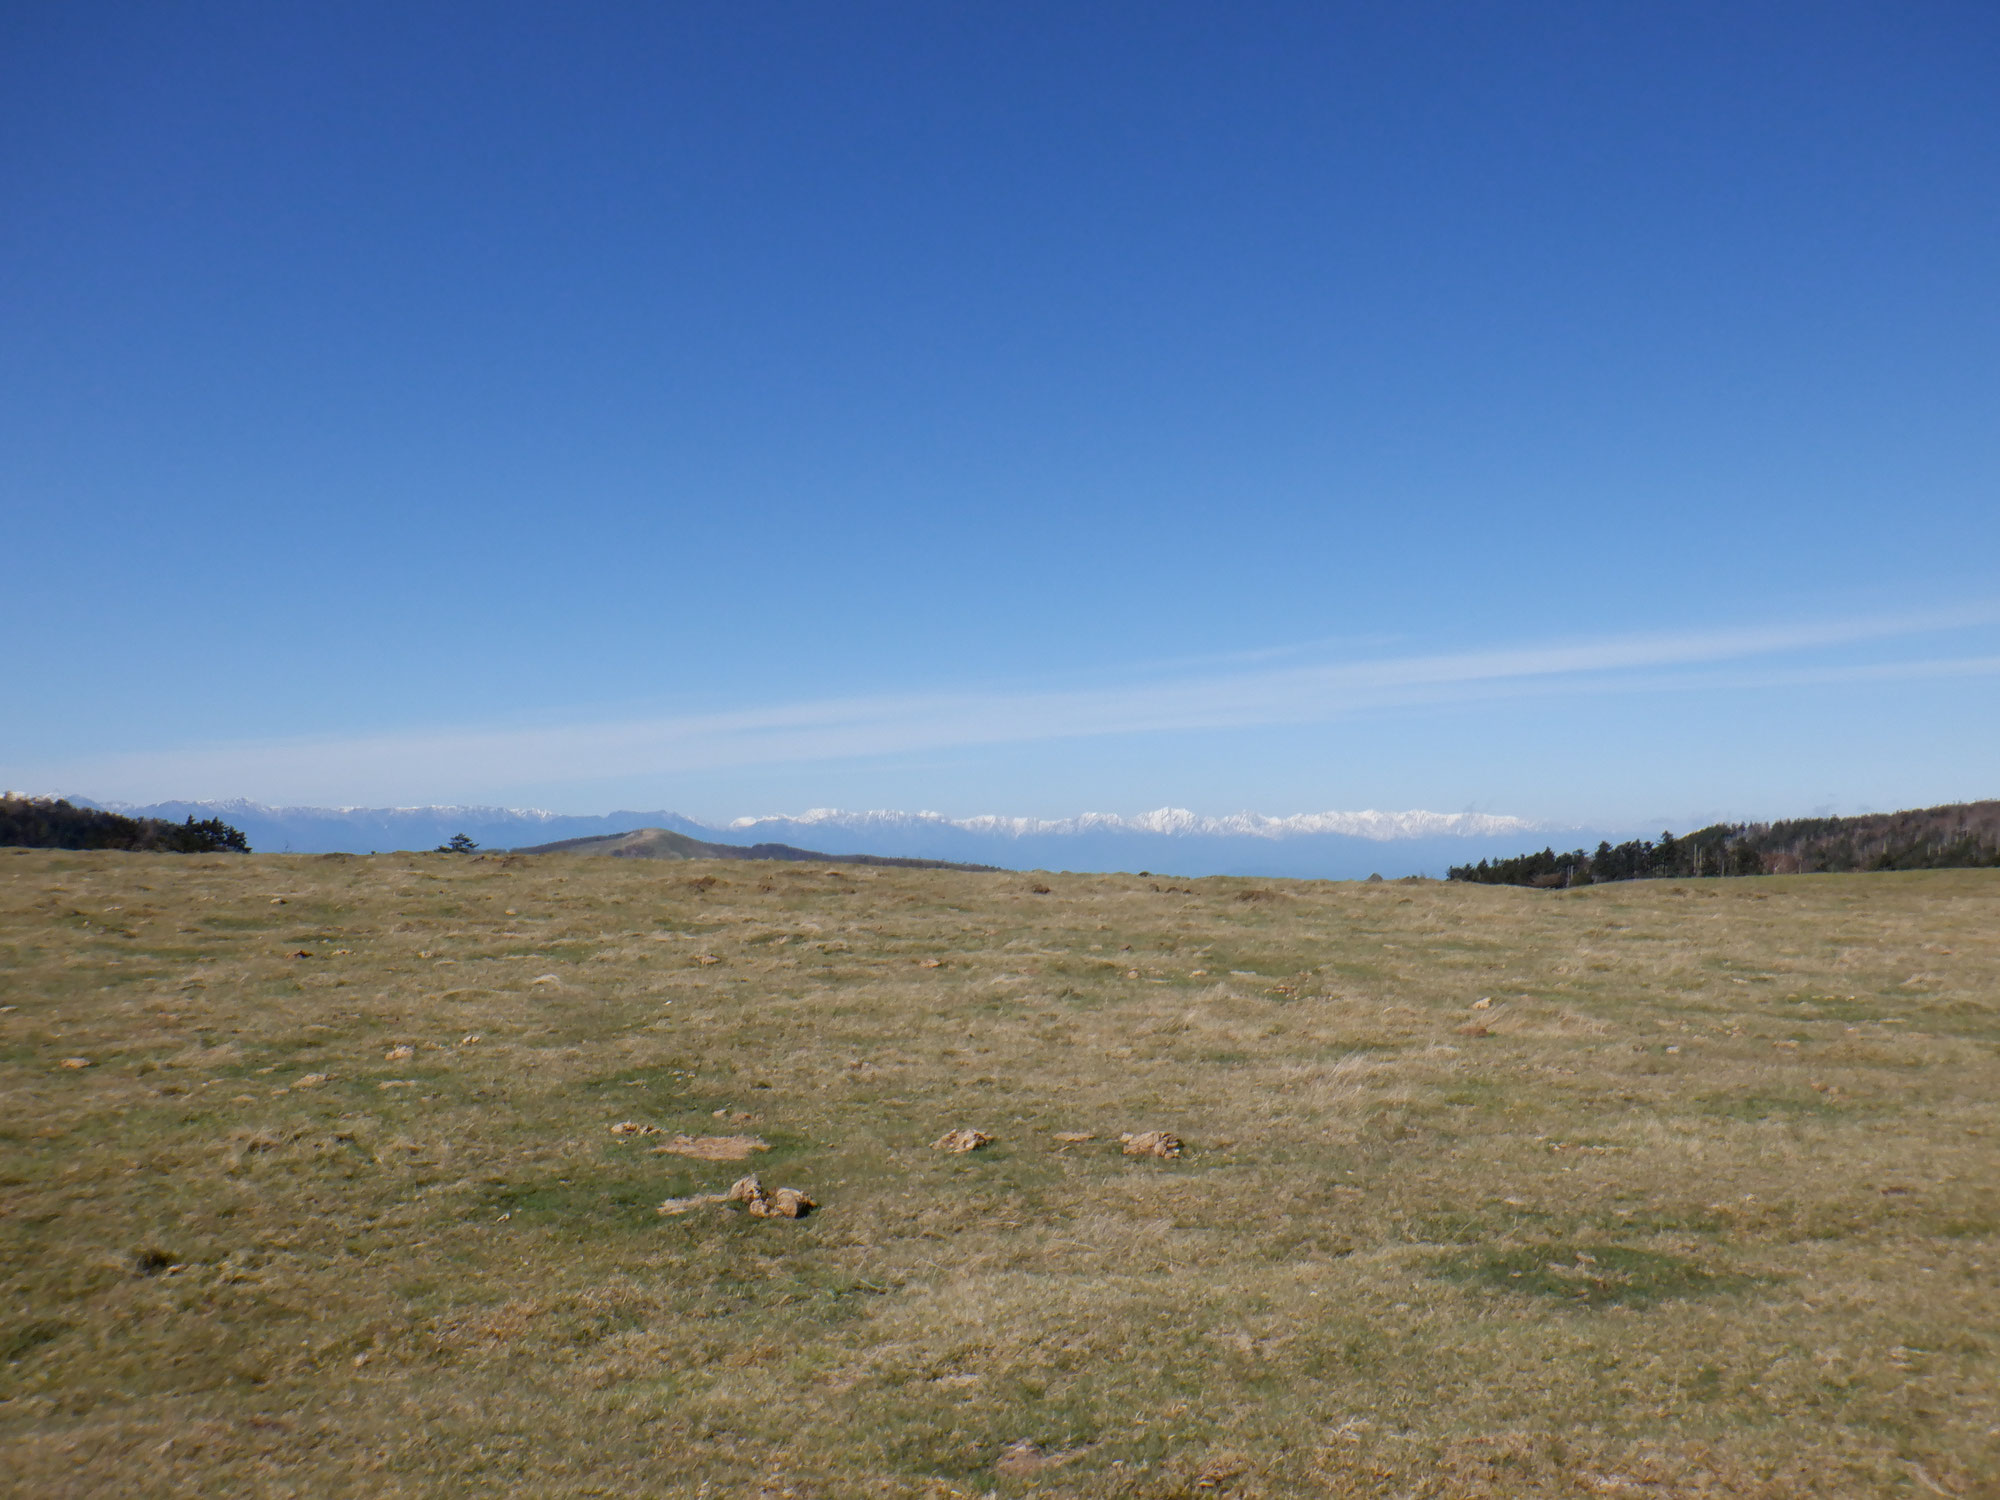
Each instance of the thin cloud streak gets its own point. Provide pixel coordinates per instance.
(453, 761)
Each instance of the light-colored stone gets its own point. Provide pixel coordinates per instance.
(1160, 1143)
(785, 1203)
(957, 1142)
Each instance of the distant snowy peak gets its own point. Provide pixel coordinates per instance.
(1172, 821)
(1312, 846)
(244, 806)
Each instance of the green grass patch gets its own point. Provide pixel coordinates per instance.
(1592, 1276)
(1766, 1105)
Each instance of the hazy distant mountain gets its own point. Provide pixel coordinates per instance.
(358, 830)
(663, 843)
(1331, 845)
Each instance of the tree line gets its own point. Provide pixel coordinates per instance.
(1962, 835)
(52, 823)
(1717, 850)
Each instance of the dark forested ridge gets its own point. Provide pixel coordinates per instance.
(51, 823)
(1961, 836)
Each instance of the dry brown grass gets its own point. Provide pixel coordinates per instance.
(1701, 1202)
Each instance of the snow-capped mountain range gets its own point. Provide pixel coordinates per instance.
(1328, 845)
(1173, 821)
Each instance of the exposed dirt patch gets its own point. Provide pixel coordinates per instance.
(715, 1147)
(1024, 1457)
(1021, 1457)
(689, 1205)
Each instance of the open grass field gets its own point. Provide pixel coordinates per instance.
(1704, 1200)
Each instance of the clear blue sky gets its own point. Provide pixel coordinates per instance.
(1580, 411)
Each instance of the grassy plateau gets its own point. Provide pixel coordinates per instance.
(308, 1184)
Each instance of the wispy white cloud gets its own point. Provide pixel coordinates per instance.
(451, 761)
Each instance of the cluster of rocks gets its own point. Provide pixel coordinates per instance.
(791, 1203)
(784, 1203)
(1161, 1143)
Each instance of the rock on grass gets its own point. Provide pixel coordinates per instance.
(958, 1142)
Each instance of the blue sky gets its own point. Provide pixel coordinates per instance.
(1585, 412)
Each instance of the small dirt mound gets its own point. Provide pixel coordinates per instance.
(625, 1128)
(1161, 1143)
(958, 1142)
